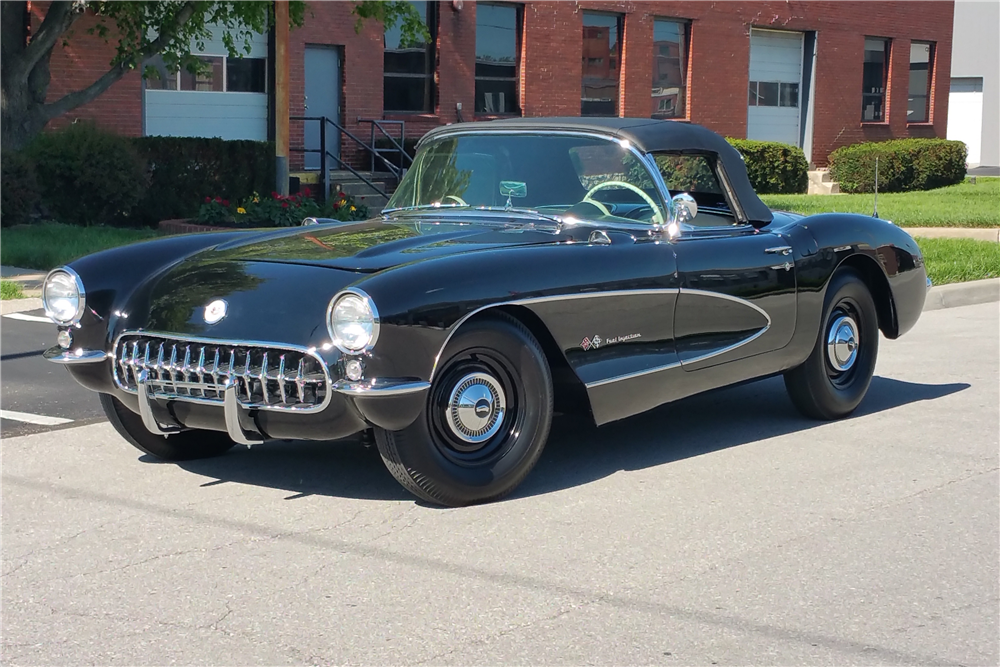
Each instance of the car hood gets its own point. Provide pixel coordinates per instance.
(374, 245)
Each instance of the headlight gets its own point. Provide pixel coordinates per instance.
(353, 321)
(63, 296)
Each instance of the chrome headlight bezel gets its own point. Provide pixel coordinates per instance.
(373, 320)
(77, 282)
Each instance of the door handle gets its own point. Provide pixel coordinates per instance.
(779, 250)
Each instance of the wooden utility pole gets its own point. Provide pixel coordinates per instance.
(281, 109)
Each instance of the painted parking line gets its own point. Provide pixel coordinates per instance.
(29, 418)
(28, 318)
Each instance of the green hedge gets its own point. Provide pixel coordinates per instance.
(183, 171)
(903, 165)
(774, 168)
(88, 176)
(19, 193)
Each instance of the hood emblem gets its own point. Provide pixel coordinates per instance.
(215, 311)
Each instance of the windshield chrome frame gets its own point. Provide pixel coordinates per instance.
(644, 158)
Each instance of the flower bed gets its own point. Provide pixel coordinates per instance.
(277, 210)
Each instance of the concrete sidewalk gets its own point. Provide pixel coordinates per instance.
(978, 234)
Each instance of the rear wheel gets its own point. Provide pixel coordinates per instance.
(183, 446)
(835, 378)
(485, 422)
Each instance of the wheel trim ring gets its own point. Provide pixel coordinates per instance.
(475, 409)
(843, 343)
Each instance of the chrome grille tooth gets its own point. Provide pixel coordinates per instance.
(263, 378)
(281, 379)
(186, 366)
(173, 362)
(215, 367)
(300, 382)
(159, 363)
(246, 378)
(200, 369)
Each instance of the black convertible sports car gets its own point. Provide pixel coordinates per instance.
(612, 264)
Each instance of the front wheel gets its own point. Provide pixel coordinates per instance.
(835, 378)
(485, 422)
(183, 446)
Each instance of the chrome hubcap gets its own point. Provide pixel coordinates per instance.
(842, 343)
(476, 408)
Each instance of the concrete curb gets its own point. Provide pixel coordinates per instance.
(975, 233)
(963, 294)
(19, 305)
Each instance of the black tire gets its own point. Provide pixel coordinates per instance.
(434, 461)
(820, 388)
(183, 446)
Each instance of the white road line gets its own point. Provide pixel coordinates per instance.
(28, 318)
(33, 419)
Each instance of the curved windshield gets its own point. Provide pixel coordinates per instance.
(586, 178)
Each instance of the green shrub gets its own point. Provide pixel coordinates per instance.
(904, 165)
(773, 167)
(19, 194)
(88, 176)
(183, 171)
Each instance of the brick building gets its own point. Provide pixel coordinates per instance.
(815, 74)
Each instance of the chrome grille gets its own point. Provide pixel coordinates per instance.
(267, 377)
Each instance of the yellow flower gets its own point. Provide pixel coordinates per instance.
(353, 209)
(256, 200)
(241, 210)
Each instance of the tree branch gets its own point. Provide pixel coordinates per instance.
(76, 98)
(58, 19)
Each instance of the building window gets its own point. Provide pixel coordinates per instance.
(670, 43)
(874, 80)
(220, 74)
(773, 94)
(408, 80)
(921, 65)
(602, 57)
(498, 39)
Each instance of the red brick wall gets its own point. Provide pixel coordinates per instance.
(550, 64)
(80, 62)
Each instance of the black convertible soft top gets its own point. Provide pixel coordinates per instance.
(646, 134)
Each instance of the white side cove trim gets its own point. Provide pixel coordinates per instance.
(541, 299)
(29, 418)
(714, 353)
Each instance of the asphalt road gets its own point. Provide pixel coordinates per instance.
(37, 387)
(722, 530)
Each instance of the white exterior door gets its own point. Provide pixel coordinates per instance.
(773, 111)
(965, 115)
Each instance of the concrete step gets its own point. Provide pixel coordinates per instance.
(357, 188)
(374, 202)
(823, 188)
(820, 176)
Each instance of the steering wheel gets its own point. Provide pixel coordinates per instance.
(657, 213)
(459, 200)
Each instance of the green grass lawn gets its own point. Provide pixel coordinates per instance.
(10, 290)
(46, 246)
(962, 205)
(959, 260)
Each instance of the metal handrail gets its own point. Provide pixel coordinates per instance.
(324, 153)
(396, 147)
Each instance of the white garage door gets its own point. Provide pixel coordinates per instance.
(965, 115)
(228, 99)
(775, 82)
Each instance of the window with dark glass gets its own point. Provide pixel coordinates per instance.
(921, 66)
(498, 32)
(670, 41)
(218, 74)
(602, 57)
(876, 74)
(773, 94)
(408, 79)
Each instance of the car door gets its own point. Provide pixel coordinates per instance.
(737, 294)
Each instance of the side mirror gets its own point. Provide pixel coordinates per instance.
(685, 206)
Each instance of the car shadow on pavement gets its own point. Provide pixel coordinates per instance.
(577, 452)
